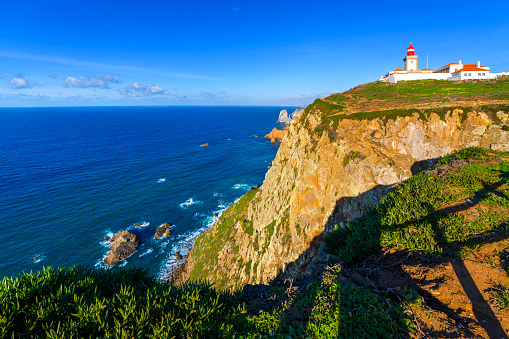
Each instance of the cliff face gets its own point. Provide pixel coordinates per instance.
(329, 169)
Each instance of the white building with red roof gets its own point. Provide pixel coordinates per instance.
(454, 71)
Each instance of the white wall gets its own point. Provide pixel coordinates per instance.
(473, 75)
(394, 78)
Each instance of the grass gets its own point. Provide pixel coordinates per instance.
(414, 217)
(378, 100)
(501, 295)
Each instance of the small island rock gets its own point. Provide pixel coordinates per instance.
(161, 230)
(123, 244)
(167, 233)
(205, 145)
(276, 135)
(107, 238)
(283, 117)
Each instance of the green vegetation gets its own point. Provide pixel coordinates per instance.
(79, 302)
(349, 157)
(345, 311)
(423, 91)
(206, 265)
(415, 216)
(85, 303)
(501, 295)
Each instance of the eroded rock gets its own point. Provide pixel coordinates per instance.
(123, 244)
(162, 230)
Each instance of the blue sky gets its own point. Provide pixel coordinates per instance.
(67, 53)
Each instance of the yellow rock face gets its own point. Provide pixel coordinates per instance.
(323, 178)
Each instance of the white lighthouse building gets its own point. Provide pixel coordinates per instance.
(454, 71)
(410, 59)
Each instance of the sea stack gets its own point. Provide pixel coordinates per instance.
(123, 244)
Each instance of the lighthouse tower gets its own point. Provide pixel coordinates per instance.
(410, 59)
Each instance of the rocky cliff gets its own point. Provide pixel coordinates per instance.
(340, 157)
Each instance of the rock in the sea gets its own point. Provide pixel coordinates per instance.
(123, 244)
(216, 214)
(137, 224)
(276, 135)
(162, 230)
(297, 113)
(106, 238)
(283, 117)
(205, 145)
(178, 256)
(167, 233)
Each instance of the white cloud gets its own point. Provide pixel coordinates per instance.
(305, 96)
(211, 96)
(108, 78)
(2, 76)
(100, 81)
(140, 90)
(101, 66)
(19, 82)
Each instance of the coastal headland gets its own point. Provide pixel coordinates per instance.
(384, 214)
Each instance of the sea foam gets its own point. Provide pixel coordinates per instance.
(188, 203)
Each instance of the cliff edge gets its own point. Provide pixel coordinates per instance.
(339, 158)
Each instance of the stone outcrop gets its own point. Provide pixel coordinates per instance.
(321, 178)
(285, 118)
(123, 244)
(164, 229)
(276, 135)
(205, 145)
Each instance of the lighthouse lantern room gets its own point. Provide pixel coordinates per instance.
(410, 59)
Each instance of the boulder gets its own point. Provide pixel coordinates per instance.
(106, 238)
(205, 145)
(161, 230)
(123, 244)
(216, 214)
(137, 224)
(167, 233)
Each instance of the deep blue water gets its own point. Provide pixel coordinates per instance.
(71, 176)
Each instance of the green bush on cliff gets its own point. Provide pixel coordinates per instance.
(418, 216)
(347, 311)
(85, 303)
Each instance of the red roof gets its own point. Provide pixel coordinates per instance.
(411, 47)
(471, 68)
(427, 69)
(452, 63)
(398, 70)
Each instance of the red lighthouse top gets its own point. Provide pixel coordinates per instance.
(410, 50)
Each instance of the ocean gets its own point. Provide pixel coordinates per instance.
(71, 176)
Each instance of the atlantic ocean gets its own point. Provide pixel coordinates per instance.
(71, 176)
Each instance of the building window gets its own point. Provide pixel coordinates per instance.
(483, 74)
(478, 74)
(469, 74)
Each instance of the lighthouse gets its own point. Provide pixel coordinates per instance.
(410, 59)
